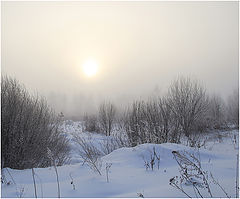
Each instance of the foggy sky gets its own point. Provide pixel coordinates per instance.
(140, 48)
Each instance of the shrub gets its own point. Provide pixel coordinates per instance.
(112, 143)
(89, 153)
(149, 122)
(107, 112)
(29, 127)
(91, 123)
(188, 102)
(233, 108)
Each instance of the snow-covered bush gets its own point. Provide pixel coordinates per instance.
(29, 127)
(149, 122)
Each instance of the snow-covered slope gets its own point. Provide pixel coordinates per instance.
(128, 176)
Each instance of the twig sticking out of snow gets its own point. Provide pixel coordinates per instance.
(151, 162)
(140, 195)
(190, 169)
(34, 183)
(50, 156)
(72, 183)
(174, 183)
(217, 183)
(11, 176)
(40, 183)
(108, 166)
(237, 177)
(157, 156)
(20, 194)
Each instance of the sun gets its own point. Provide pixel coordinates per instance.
(90, 68)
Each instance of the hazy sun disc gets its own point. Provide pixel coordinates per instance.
(90, 68)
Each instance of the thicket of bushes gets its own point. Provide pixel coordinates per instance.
(186, 109)
(29, 128)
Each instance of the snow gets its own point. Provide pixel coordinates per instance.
(128, 176)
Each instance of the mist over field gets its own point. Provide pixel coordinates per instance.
(119, 99)
(139, 48)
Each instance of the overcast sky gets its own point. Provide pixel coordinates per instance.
(139, 47)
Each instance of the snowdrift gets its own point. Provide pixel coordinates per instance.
(128, 176)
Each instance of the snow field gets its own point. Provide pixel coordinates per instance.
(128, 175)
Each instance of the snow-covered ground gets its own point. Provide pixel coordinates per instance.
(128, 176)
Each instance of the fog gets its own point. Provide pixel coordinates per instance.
(140, 47)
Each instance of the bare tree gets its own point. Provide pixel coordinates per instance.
(188, 102)
(107, 113)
